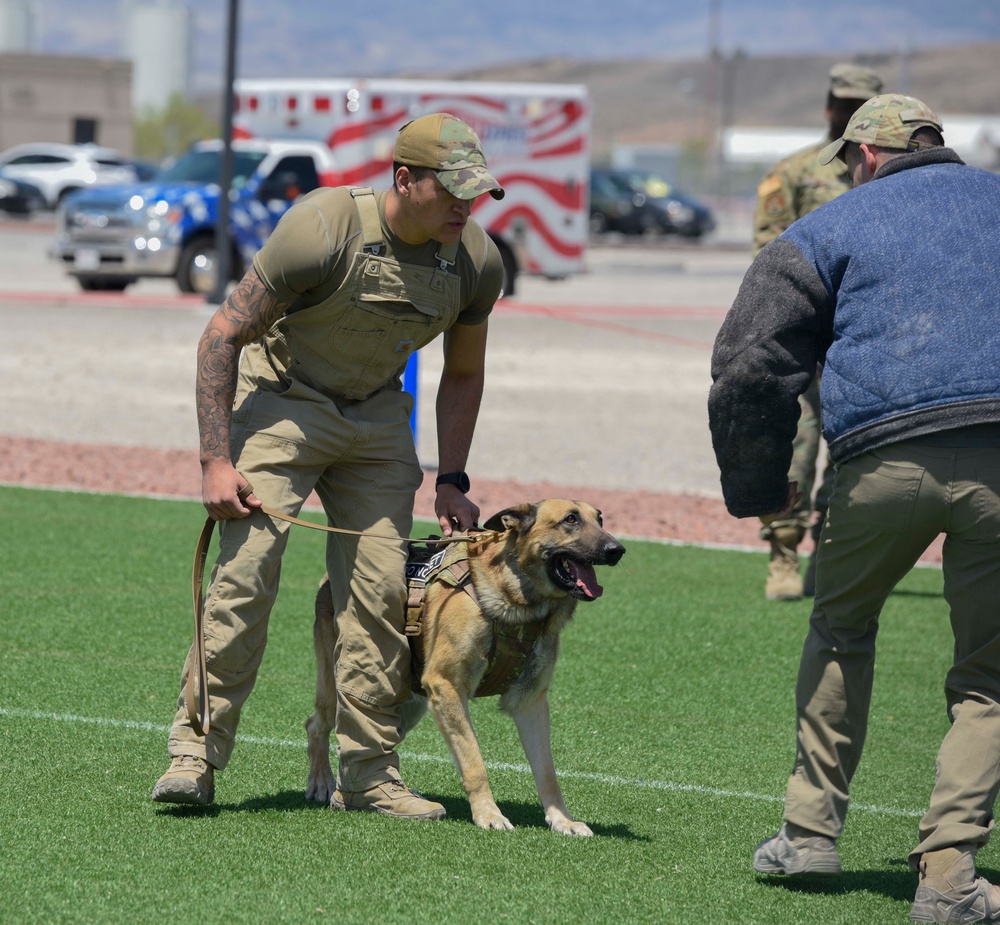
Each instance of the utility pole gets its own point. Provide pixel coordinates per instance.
(223, 244)
(713, 91)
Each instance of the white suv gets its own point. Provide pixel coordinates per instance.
(60, 169)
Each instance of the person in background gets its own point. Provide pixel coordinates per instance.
(792, 188)
(893, 287)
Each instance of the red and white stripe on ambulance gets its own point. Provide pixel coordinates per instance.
(536, 138)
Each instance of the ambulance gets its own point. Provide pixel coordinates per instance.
(536, 138)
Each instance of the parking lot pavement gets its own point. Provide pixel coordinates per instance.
(599, 379)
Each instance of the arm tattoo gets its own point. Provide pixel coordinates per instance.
(245, 316)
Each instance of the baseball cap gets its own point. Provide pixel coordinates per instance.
(452, 149)
(854, 82)
(887, 121)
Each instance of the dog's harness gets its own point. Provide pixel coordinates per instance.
(511, 645)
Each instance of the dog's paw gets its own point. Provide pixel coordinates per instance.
(493, 819)
(563, 825)
(319, 789)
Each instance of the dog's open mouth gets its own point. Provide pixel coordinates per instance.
(578, 578)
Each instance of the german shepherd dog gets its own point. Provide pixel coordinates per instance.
(526, 581)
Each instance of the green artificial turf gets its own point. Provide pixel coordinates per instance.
(672, 716)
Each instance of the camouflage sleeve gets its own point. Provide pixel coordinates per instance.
(775, 208)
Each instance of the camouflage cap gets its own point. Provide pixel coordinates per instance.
(854, 82)
(887, 121)
(452, 149)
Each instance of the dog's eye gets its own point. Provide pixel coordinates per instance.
(571, 519)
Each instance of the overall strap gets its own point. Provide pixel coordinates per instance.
(371, 227)
(371, 224)
(447, 254)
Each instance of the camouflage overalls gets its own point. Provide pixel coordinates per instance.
(794, 187)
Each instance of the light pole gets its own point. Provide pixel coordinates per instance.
(223, 244)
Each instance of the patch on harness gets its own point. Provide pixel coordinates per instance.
(420, 567)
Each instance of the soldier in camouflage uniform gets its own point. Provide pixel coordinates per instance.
(793, 188)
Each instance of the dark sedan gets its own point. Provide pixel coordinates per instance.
(676, 212)
(18, 197)
(616, 206)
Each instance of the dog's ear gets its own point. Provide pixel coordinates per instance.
(519, 518)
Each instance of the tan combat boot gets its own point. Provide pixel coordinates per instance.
(948, 890)
(392, 798)
(783, 580)
(189, 779)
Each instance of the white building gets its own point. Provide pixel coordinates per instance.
(976, 139)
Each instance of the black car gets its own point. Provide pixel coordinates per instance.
(616, 206)
(676, 212)
(18, 197)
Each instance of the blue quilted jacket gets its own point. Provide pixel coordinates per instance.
(895, 288)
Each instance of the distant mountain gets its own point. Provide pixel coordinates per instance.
(672, 101)
(320, 38)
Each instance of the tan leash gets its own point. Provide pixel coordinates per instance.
(196, 701)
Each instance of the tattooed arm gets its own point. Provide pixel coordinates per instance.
(245, 315)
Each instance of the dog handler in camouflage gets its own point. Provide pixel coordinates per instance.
(793, 188)
(350, 284)
(893, 286)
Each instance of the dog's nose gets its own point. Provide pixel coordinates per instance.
(613, 552)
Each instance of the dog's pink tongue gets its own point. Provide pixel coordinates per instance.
(586, 579)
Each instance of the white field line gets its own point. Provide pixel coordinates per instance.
(610, 779)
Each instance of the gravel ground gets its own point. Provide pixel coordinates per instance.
(175, 473)
(596, 387)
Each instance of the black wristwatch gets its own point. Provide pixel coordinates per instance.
(459, 479)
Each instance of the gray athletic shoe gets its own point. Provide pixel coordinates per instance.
(949, 891)
(188, 780)
(981, 903)
(797, 853)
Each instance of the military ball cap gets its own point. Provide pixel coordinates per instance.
(887, 121)
(448, 146)
(854, 82)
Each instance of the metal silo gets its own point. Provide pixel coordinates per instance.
(158, 42)
(20, 23)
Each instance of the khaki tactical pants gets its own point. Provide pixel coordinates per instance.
(887, 507)
(359, 457)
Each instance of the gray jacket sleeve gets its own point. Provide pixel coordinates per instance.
(765, 356)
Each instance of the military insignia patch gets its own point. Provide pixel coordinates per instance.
(775, 204)
(770, 185)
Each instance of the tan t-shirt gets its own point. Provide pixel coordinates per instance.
(308, 256)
